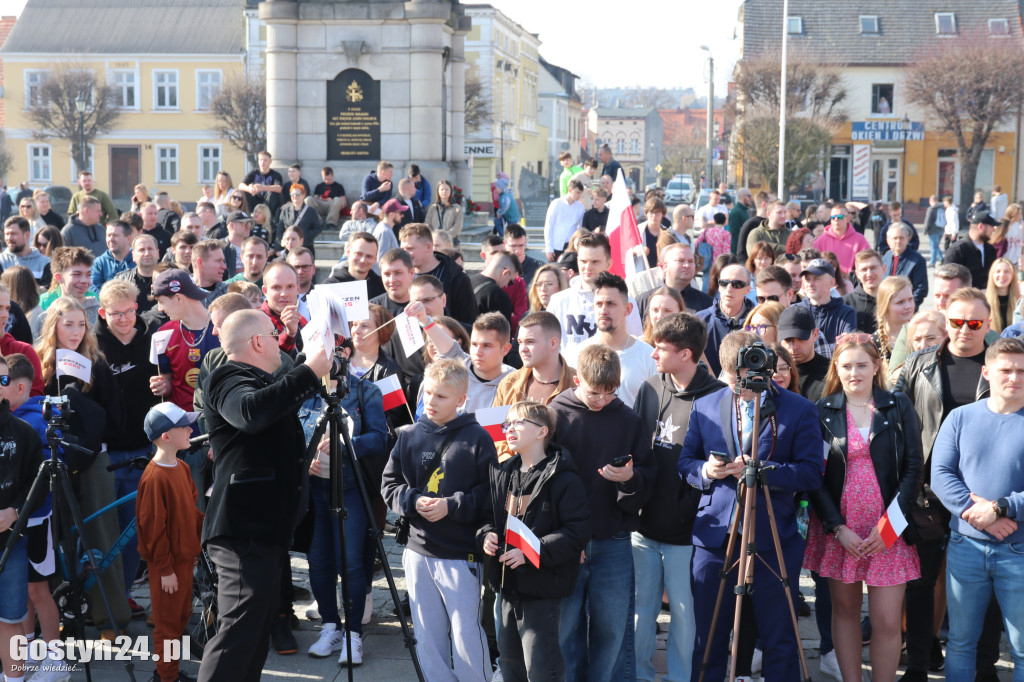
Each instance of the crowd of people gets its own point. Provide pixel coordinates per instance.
(545, 543)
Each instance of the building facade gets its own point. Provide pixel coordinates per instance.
(561, 111)
(889, 149)
(635, 138)
(164, 137)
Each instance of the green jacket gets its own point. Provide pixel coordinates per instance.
(109, 211)
(565, 177)
(737, 216)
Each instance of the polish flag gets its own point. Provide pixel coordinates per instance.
(158, 345)
(621, 229)
(893, 523)
(392, 390)
(491, 418)
(519, 536)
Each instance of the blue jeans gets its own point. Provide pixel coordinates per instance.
(325, 554)
(597, 615)
(974, 568)
(934, 242)
(126, 481)
(659, 567)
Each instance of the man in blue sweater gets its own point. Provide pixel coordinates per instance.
(977, 475)
(832, 316)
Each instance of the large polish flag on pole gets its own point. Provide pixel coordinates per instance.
(622, 231)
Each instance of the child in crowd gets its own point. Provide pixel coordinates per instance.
(543, 490)
(169, 528)
(437, 479)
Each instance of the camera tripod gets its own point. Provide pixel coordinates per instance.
(753, 476)
(53, 477)
(334, 422)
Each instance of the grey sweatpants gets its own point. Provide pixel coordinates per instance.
(445, 598)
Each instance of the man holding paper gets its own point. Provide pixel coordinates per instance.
(976, 474)
(280, 286)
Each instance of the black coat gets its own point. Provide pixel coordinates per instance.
(21, 453)
(558, 513)
(260, 479)
(895, 445)
(964, 252)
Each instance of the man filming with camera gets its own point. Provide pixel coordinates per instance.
(255, 431)
(714, 454)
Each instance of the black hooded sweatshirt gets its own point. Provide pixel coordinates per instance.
(668, 516)
(132, 370)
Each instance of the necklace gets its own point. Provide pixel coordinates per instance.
(195, 342)
(853, 404)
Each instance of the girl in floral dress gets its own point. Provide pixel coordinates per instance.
(874, 457)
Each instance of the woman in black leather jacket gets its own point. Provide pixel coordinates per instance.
(874, 457)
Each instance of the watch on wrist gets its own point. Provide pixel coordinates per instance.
(1001, 507)
(429, 324)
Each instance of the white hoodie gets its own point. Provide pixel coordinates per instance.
(574, 308)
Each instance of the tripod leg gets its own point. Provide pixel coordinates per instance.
(745, 572)
(39, 488)
(785, 580)
(338, 509)
(730, 546)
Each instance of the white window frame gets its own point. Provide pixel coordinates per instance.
(873, 18)
(796, 23)
(212, 177)
(157, 86)
(167, 178)
(620, 146)
(39, 177)
(90, 166)
(1002, 32)
(634, 146)
(200, 87)
(120, 88)
(43, 74)
(939, 16)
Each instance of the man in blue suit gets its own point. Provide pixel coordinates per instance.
(789, 442)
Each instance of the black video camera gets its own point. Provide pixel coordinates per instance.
(56, 417)
(759, 360)
(340, 360)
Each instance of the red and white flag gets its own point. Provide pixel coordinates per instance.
(621, 229)
(893, 523)
(491, 418)
(392, 390)
(158, 345)
(518, 535)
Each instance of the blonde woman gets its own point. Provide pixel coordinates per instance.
(222, 187)
(663, 302)
(548, 280)
(763, 320)
(1002, 293)
(893, 309)
(140, 195)
(29, 211)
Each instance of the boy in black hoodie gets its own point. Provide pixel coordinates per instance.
(600, 429)
(663, 546)
(437, 479)
(542, 489)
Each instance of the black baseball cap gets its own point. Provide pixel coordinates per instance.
(819, 266)
(796, 322)
(177, 281)
(983, 218)
(238, 217)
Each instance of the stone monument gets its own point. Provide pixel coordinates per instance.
(351, 82)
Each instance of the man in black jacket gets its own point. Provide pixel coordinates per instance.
(417, 240)
(663, 546)
(488, 284)
(975, 253)
(255, 431)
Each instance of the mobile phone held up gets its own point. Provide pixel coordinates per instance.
(722, 457)
(621, 461)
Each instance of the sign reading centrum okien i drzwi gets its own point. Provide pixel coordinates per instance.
(353, 116)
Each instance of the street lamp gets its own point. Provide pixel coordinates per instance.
(80, 108)
(711, 112)
(903, 167)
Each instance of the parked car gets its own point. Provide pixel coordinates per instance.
(60, 198)
(678, 188)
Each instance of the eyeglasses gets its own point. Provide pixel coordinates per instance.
(783, 369)
(274, 333)
(973, 325)
(758, 328)
(24, 205)
(239, 199)
(121, 315)
(837, 216)
(764, 299)
(788, 257)
(427, 300)
(600, 396)
(296, 194)
(517, 423)
(734, 283)
(304, 267)
(853, 337)
(5, 380)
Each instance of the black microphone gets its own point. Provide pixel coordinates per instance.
(198, 440)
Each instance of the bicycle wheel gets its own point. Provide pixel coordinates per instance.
(202, 625)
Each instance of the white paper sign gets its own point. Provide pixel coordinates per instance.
(158, 345)
(409, 333)
(353, 295)
(72, 364)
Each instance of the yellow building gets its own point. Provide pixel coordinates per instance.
(166, 62)
(506, 59)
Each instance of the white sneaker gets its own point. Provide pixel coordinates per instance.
(313, 612)
(755, 662)
(368, 609)
(331, 639)
(52, 671)
(357, 651)
(829, 665)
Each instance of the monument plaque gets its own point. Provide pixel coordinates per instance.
(534, 195)
(353, 116)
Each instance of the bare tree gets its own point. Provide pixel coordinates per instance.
(478, 109)
(969, 87)
(55, 114)
(815, 99)
(240, 112)
(6, 157)
(683, 152)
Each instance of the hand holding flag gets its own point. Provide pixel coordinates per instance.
(893, 523)
(519, 535)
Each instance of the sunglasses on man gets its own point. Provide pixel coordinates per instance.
(973, 325)
(734, 283)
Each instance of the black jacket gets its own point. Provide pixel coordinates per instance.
(260, 479)
(964, 252)
(21, 453)
(132, 370)
(461, 302)
(895, 445)
(864, 305)
(665, 411)
(558, 513)
(374, 284)
(921, 380)
(490, 298)
(143, 284)
(168, 219)
(385, 366)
